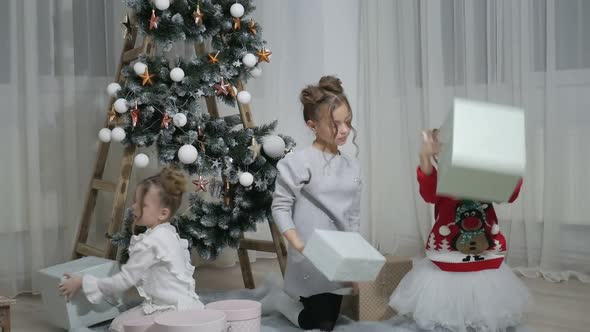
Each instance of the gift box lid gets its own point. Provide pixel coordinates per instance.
(490, 136)
(139, 324)
(237, 310)
(77, 266)
(483, 151)
(175, 320)
(352, 245)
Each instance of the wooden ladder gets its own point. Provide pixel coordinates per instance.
(82, 248)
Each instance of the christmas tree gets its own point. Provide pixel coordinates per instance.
(159, 105)
(444, 246)
(431, 242)
(497, 246)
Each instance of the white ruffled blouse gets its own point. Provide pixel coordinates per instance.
(159, 267)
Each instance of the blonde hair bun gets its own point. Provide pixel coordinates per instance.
(173, 181)
(331, 84)
(311, 95)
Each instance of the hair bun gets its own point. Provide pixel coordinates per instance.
(311, 95)
(173, 181)
(331, 84)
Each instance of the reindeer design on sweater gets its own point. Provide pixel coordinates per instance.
(472, 239)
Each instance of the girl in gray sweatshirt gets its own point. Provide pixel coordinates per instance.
(317, 188)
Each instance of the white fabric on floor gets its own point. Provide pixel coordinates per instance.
(276, 323)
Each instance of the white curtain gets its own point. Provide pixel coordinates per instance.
(57, 57)
(417, 55)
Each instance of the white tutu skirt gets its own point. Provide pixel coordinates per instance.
(488, 300)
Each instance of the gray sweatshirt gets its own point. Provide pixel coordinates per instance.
(315, 190)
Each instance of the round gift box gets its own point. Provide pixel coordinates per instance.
(191, 321)
(242, 315)
(139, 324)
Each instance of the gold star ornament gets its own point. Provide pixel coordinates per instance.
(147, 77)
(252, 26)
(237, 24)
(213, 58)
(264, 55)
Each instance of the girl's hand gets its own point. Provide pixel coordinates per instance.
(294, 240)
(70, 286)
(430, 144)
(430, 149)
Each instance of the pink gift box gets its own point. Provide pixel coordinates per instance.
(191, 321)
(144, 324)
(242, 315)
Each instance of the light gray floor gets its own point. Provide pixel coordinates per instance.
(558, 307)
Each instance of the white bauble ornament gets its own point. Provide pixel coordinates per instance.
(118, 134)
(244, 97)
(236, 10)
(162, 4)
(121, 105)
(179, 119)
(256, 72)
(495, 229)
(187, 154)
(113, 88)
(444, 230)
(141, 160)
(274, 146)
(139, 68)
(246, 179)
(177, 74)
(249, 60)
(104, 135)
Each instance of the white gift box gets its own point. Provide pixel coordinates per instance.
(142, 324)
(483, 154)
(241, 315)
(343, 256)
(78, 312)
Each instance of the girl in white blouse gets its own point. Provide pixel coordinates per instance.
(159, 261)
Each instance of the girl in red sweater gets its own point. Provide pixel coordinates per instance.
(463, 282)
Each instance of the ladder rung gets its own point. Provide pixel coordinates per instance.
(87, 250)
(132, 54)
(259, 245)
(103, 185)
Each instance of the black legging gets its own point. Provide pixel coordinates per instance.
(320, 311)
